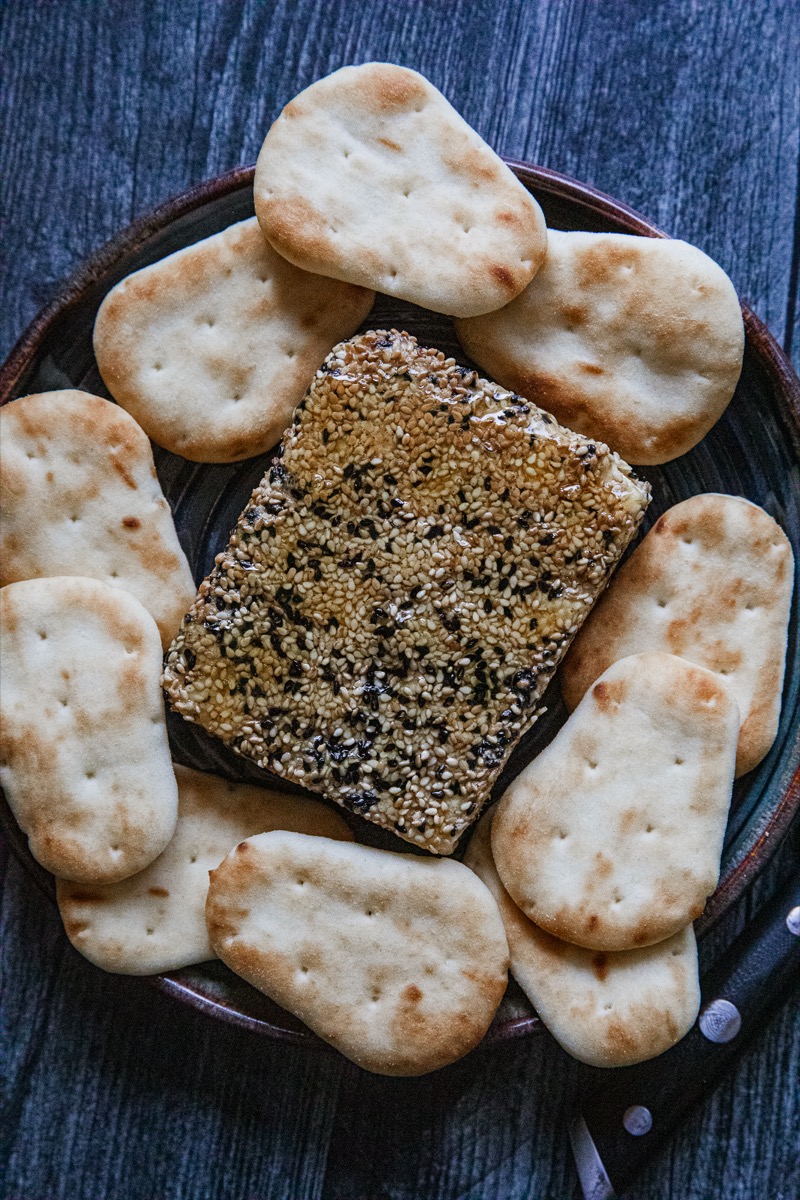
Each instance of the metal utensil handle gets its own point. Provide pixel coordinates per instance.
(626, 1114)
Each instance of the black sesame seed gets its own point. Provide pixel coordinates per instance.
(522, 680)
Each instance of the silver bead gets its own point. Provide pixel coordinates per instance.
(720, 1021)
(793, 920)
(638, 1120)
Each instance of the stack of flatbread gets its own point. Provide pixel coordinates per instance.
(605, 849)
(587, 877)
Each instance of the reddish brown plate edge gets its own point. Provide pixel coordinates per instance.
(232, 1016)
(542, 179)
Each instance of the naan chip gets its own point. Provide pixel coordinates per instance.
(156, 920)
(712, 582)
(606, 1009)
(397, 961)
(612, 837)
(637, 341)
(79, 495)
(211, 348)
(84, 756)
(371, 176)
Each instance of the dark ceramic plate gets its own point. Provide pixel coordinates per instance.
(754, 451)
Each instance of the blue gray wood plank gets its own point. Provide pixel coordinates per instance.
(688, 111)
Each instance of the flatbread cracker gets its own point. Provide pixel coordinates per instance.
(84, 757)
(79, 495)
(155, 921)
(370, 175)
(399, 962)
(712, 583)
(211, 348)
(606, 1009)
(612, 837)
(637, 341)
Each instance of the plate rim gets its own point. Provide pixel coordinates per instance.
(545, 180)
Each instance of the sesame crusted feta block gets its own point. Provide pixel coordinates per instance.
(401, 587)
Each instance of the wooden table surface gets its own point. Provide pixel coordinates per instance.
(689, 110)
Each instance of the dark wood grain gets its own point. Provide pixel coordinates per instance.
(690, 112)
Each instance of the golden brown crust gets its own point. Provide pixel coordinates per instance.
(79, 496)
(84, 756)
